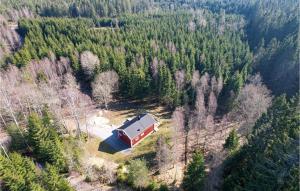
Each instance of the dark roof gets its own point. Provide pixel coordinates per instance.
(137, 125)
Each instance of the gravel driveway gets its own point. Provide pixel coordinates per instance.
(99, 126)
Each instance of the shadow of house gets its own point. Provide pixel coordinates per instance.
(113, 144)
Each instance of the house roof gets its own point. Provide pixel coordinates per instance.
(137, 125)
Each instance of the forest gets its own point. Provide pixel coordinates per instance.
(221, 77)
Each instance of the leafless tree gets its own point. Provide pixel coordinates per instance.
(204, 80)
(200, 103)
(191, 26)
(255, 80)
(178, 123)
(180, 79)
(220, 85)
(163, 154)
(212, 103)
(201, 18)
(154, 68)
(9, 38)
(200, 114)
(252, 101)
(162, 63)
(71, 98)
(139, 60)
(222, 22)
(154, 45)
(20, 13)
(214, 85)
(104, 86)
(171, 47)
(88, 62)
(195, 78)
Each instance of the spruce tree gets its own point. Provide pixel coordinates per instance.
(232, 141)
(194, 176)
(53, 181)
(17, 172)
(45, 141)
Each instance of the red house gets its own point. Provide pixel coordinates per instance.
(135, 130)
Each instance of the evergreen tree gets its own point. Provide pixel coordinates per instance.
(19, 173)
(271, 157)
(232, 141)
(53, 181)
(45, 142)
(194, 176)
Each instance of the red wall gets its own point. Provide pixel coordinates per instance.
(140, 136)
(124, 138)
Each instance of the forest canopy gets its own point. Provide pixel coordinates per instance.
(220, 76)
(146, 51)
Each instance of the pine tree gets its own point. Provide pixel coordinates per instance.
(36, 132)
(272, 150)
(20, 173)
(194, 176)
(45, 141)
(53, 181)
(232, 141)
(17, 172)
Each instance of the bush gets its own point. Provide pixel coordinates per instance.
(153, 186)
(121, 174)
(163, 187)
(138, 174)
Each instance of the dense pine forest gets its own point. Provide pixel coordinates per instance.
(143, 50)
(220, 76)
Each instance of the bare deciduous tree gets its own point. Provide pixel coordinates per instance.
(195, 78)
(191, 26)
(220, 85)
(204, 83)
(200, 103)
(212, 103)
(201, 18)
(180, 79)
(104, 86)
(178, 123)
(154, 68)
(200, 114)
(163, 154)
(214, 85)
(88, 62)
(252, 101)
(171, 47)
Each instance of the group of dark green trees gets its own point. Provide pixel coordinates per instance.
(272, 32)
(145, 51)
(148, 51)
(42, 170)
(78, 8)
(270, 159)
